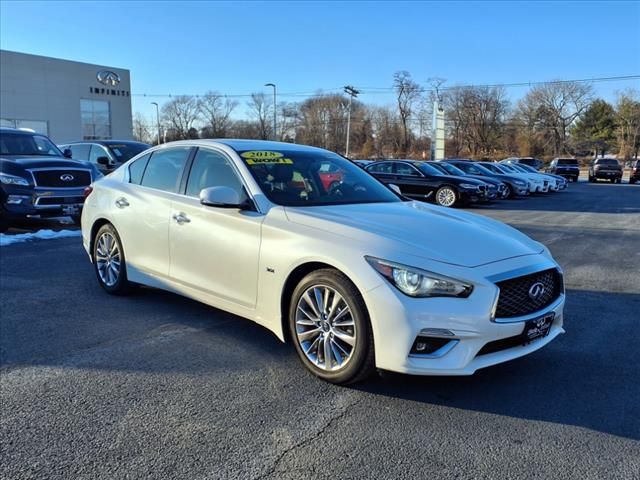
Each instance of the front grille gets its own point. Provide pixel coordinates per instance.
(515, 299)
(59, 200)
(54, 178)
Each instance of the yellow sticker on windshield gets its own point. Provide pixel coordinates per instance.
(269, 161)
(261, 154)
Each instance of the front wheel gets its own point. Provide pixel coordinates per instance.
(329, 325)
(508, 193)
(108, 261)
(446, 196)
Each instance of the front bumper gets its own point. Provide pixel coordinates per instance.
(21, 202)
(398, 320)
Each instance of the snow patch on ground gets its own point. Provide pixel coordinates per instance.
(39, 235)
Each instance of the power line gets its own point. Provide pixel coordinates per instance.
(387, 90)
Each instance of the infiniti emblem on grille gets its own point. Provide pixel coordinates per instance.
(536, 291)
(66, 177)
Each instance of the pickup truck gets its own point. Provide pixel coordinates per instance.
(565, 167)
(606, 169)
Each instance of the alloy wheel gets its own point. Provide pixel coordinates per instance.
(325, 328)
(108, 259)
(446, 197)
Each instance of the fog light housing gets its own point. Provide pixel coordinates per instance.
(431, 346)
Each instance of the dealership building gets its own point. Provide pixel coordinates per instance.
(68, 101)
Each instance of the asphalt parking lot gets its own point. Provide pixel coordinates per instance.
(157, 386)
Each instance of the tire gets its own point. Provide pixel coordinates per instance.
(508, 191)
(347, 363)
(446, 196)
(113, 280)
(590, 179)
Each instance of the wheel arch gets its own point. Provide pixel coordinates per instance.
(97, 224)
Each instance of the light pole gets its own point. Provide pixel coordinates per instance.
(352, 92)
(157, 119)
(275, 137)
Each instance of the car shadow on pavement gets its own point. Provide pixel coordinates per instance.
(587, 377)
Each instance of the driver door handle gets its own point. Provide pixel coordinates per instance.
(181, 218)
(122, 202)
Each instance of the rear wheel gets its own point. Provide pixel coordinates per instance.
(330, 328)
(446, 196)
(109, 262)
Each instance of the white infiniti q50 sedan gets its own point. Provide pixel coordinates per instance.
(309, 245)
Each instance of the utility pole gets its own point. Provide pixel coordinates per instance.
(275, 136)
(157, 119)
(352, 92)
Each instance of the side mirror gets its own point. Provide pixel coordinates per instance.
(221, 197)
(66, 153)
(103, 161)
(395, 188)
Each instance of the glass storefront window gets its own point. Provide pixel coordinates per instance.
(38, 126)
(95, 116)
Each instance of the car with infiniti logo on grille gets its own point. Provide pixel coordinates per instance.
(36, 180)
(353, 274)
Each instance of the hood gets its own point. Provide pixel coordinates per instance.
(458, 179)
(45, 162)
(427, 231)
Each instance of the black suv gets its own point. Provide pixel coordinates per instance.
(634, 175)
(36, 180)
(421, 181)
(565, 167)
(107, 155)
(605, 168)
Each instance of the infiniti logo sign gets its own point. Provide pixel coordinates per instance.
(536, 291)
(109, 78)
(66, 177)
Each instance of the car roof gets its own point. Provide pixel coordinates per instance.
(18, 131)
(241, 144)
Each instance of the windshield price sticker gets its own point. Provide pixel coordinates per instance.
(261, 157)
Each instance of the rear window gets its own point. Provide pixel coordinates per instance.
(607, 161)
(567, 161)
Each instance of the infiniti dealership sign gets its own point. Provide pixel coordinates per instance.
(109, 78)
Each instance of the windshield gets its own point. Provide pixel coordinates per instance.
(492, 168)
(428, 169)
(450, 169)
(504, 168)
(303, 178)
(125, 151)
(517, 168)
(528, 169)
(567, 161)
(28, 145)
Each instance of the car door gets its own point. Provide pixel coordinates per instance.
(143, 209)
(412, 182)
(215, 250)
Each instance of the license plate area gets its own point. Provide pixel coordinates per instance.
(537, 328)
(70, 209)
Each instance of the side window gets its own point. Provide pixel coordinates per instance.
(97, 151)
(136, 169)
(164, 170)
(383, 167)
(212, 169)
(404, 169)
(80, 151)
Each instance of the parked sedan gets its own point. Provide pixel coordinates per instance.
(106, 155)
(551, 182)
(560, 184)
(357, 278)
(497, 189)
(537, 184)
(420, 181)
(634, 175)
(513, 185)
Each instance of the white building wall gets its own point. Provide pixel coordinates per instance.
(44, 89)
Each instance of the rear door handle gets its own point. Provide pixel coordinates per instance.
(122, 202)
(181, 218)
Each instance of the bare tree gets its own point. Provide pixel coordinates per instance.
(216, 112)
(142, 132)
(261, 109)
(407, 92)
(628, 113)
(557, 106)
(181, 113)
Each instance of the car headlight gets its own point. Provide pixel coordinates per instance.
(468, 186)
(415, 282)
(13, 180)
